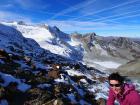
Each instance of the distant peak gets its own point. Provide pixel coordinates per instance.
(46, 26)
(56, 28)
(21, 23)
(76, 33)
(91, 34)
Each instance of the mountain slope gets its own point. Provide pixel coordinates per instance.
(50, 38)
(107, 53)
(131, 68)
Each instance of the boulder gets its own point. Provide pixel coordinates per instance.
(54, 74)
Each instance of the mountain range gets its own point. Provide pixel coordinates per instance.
(40, 64)
(104, 53)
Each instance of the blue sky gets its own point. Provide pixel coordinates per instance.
(104, 17)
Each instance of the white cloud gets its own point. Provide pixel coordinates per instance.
(7, 5)
(88, 25)
(29, 4)
(74, 8)
(110, 18)
(101, 28)
(89, 13)
(10, 16)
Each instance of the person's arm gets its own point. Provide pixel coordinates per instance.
(111, 98)
(135, 98)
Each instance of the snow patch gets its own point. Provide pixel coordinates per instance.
(108, 64)
(3, 102)
(9, 78)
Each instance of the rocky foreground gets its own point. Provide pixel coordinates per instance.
(53, 85)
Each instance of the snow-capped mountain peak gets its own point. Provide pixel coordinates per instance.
(50, 38)
(94, 50)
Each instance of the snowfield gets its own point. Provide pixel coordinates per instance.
(108, 64)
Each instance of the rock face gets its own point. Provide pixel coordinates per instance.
(114, 47)
(36, 96)
(54, 74)
(131, 68)
(97, 49)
